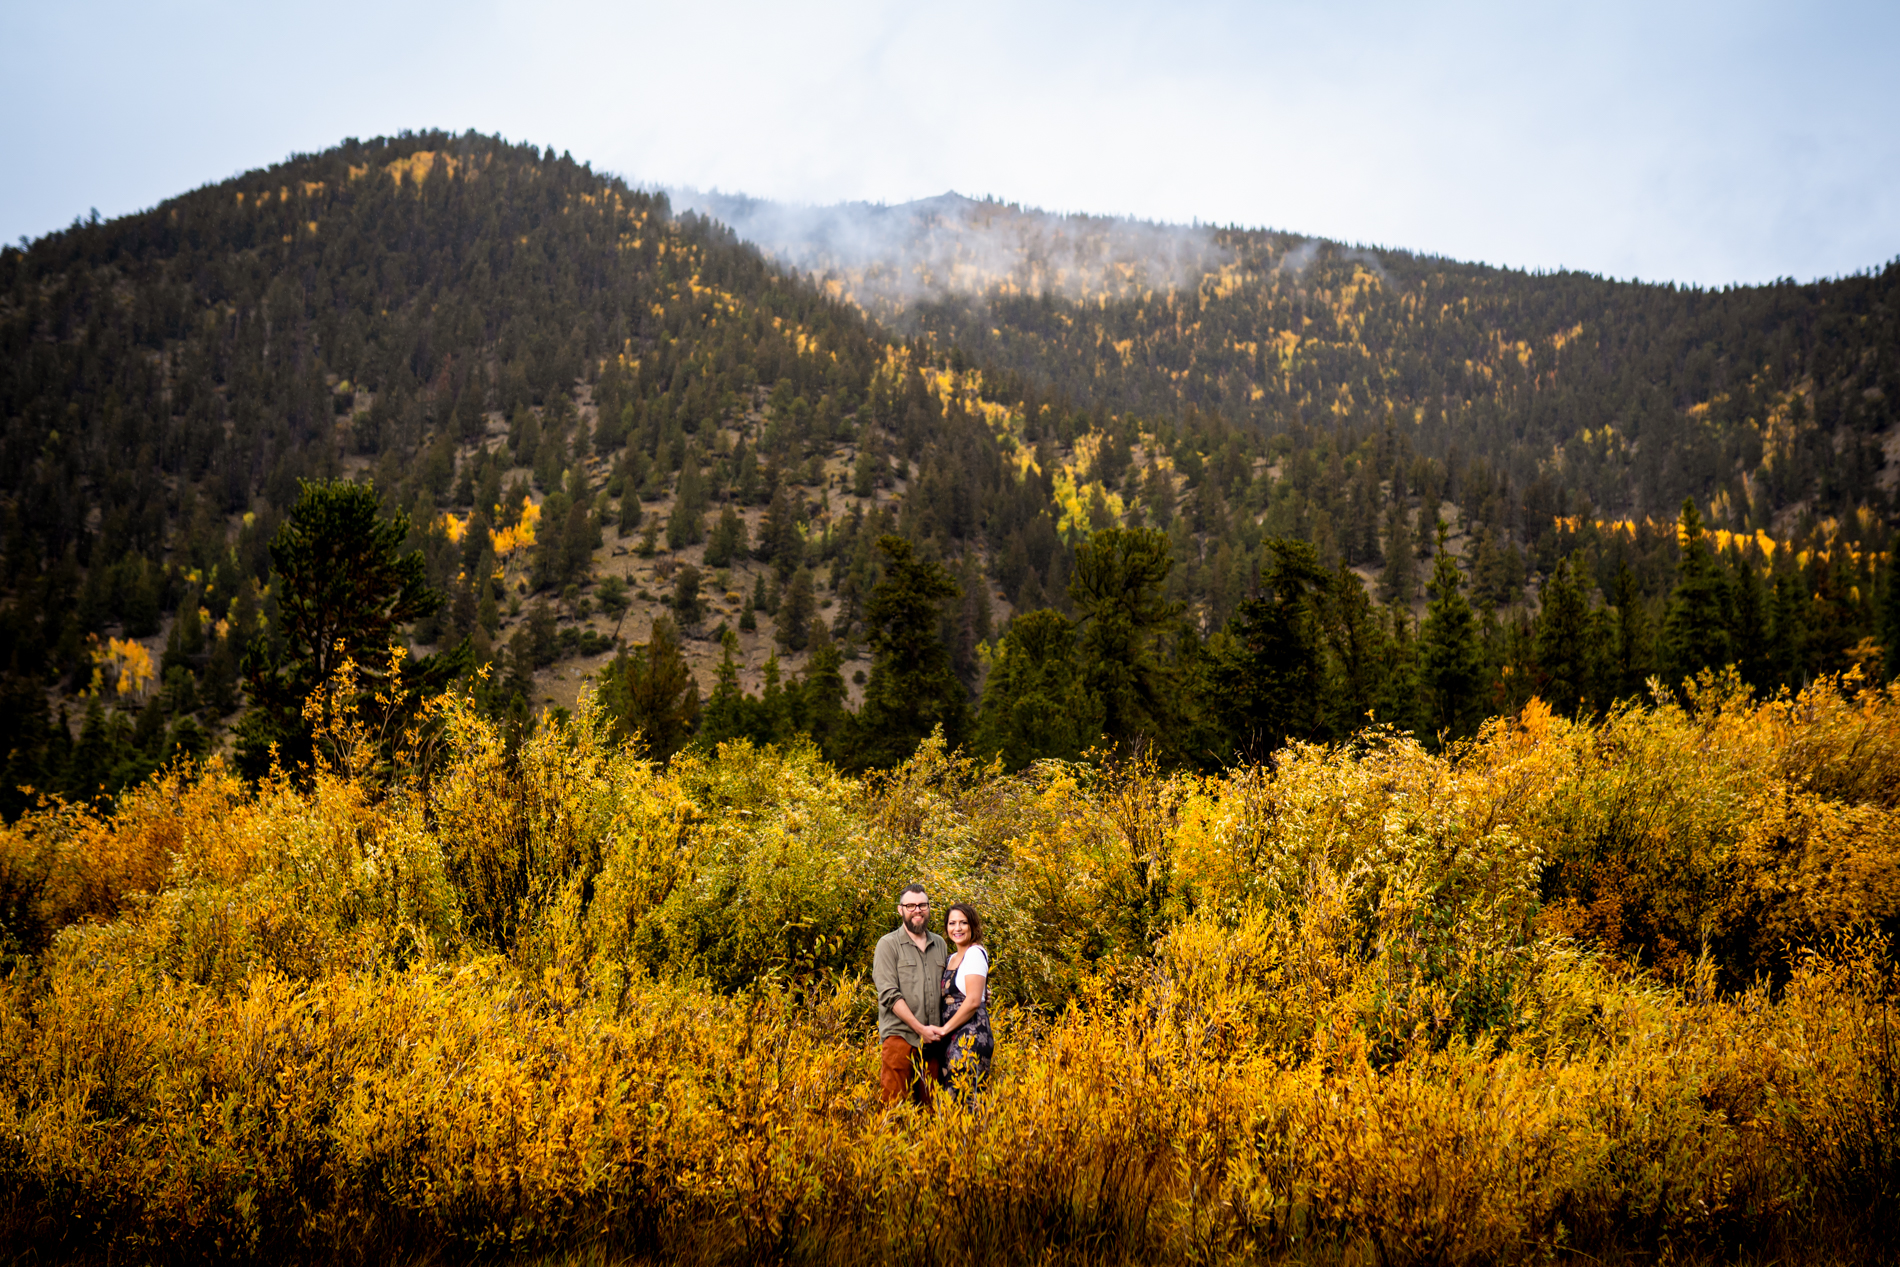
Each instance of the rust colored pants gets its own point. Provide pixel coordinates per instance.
(903, 1073)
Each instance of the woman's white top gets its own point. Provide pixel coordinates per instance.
(975, 963)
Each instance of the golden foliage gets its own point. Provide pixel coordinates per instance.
(1365, 1003)
(125, 664)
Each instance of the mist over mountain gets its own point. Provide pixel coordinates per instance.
(891, 258)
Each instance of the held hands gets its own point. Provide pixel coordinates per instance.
(931, 1033)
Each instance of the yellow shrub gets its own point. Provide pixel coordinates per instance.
(559, 996)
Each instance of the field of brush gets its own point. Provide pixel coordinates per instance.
(1609, 991)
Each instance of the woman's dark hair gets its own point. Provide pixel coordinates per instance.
(969, 913)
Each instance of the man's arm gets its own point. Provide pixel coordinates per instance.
(884, 974)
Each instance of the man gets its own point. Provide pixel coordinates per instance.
(908, 972)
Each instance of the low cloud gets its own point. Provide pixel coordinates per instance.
(889, 258)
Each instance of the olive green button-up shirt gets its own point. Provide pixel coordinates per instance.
(901, 971)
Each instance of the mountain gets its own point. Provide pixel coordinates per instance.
(710, 408)
(1772, 402)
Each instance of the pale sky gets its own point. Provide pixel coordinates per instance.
(1705, 143)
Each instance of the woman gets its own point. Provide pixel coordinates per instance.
(966, 1045)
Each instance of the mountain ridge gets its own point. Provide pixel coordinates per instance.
(484, 329)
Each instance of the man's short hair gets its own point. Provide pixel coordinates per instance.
(909, 889)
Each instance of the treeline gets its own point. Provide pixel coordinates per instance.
(1308, 655)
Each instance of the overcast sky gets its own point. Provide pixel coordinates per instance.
(1705, 143)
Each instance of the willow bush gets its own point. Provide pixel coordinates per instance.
(1608, 989)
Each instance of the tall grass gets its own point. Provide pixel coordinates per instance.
(1604, 990)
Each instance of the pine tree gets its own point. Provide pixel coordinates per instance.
(346, 584)
(723, 717)
(913, 687)
(648, 691)
(1751, 622)
(771, 713)
(344, 588)
(728, 540)
(796, 610)
(1116, 590)
(973, 618)
(1398, 703)
(1563, 642)
(1035, 705)
(1696, 625)
(1355, 638)
(1788, 632)
(1634, 653)
(1451, 658)
(686, 524)
(685, 602)
(580, 536)
(1157, 494)
(779, 543)
(1268, 673)
(1399, 581)
(818, 702)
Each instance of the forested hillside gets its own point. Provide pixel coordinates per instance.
(1295, 486)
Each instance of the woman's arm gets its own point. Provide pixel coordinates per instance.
(973, 987)
(929, 1033)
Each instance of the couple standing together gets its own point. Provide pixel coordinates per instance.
(933, 1014)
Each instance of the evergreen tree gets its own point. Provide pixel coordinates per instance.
(614, 600)
(346, 584)
(1115, 588)
(99, 749)
(913, 687)
(771, 714)
(779, 543)
(1355, 638)
(1563, 642)
(1268, 674)
(686, 604)
(973, 618)
(1751, 622)
(796, 610)
(1835, 619)
(686, 524)
(1451, 658)
(1399, 581)
(1634, 654)
(648, 691)
(344, 588)
(818, 704)
(1398, 703)
(1035, 705)
(1788, 632)
(723, 717)
(728, 540)
(1696, 625)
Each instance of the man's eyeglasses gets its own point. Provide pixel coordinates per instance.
(913, 906)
